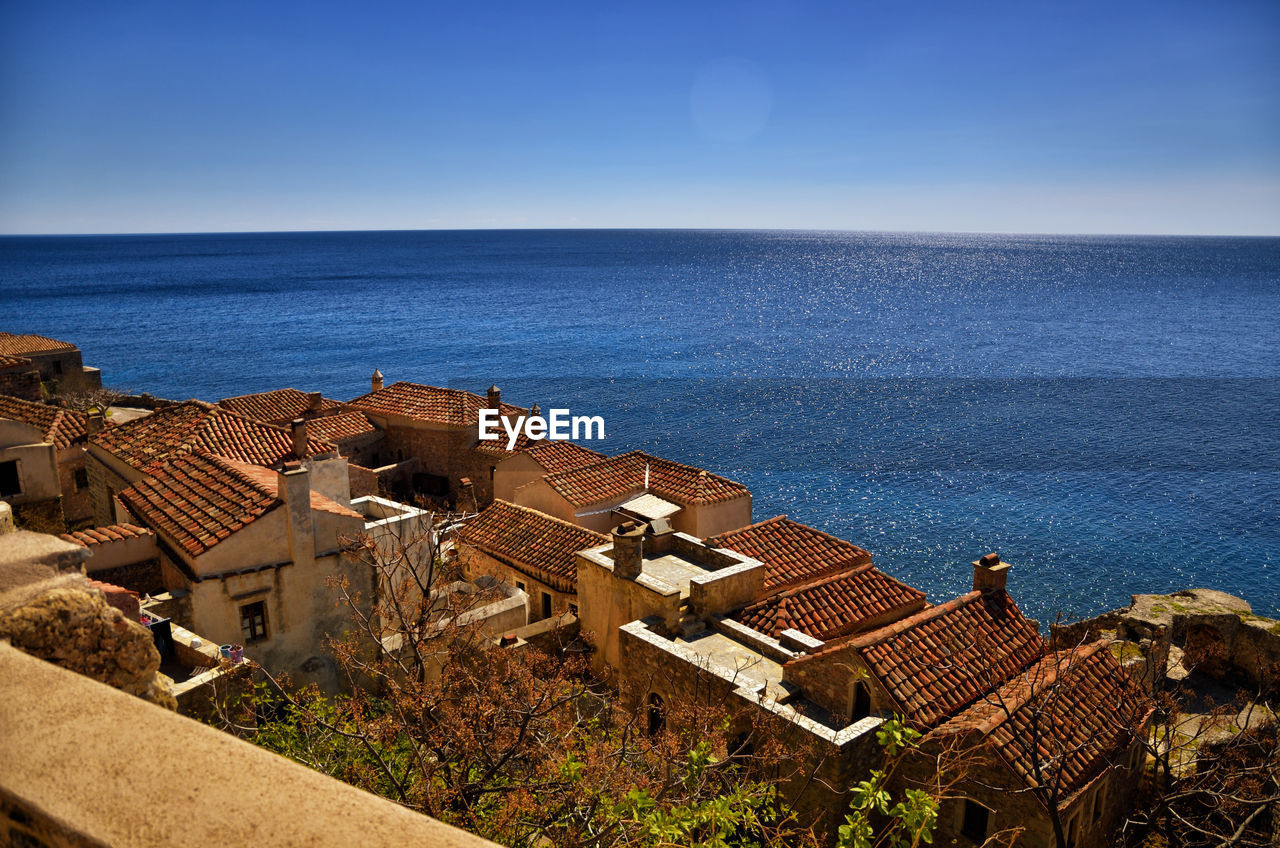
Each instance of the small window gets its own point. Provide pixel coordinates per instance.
(492, 470)
(546, 605)
(976, 820)
(520, 585)
(1098, 799)
(861, 701)
(57, 367)
(9, 482)
(81, 479)
(657, 714)
(253, 621)
(573, 610)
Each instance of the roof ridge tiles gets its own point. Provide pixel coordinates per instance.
(875, 637)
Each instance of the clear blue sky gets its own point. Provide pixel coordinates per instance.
(1146, 117)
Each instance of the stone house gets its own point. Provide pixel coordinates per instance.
(121, 455)
(529, 550)
(437, 428)
(1067, 732)
(20, 378)
(530, 461)
(247, 549)
(123, 554)
(42, 463)
(354, 437)
(59, 363)
(637, 485)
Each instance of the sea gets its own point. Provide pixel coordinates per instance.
(1101, 411)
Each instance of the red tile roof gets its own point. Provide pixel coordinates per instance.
(792, 552)
(552, 455)
(340, 427)
(61, 427)
(275, 407)
(145, 443)
(429, 403)
(531, 542)
(939, 661)
(1078, 707)
(614, 478)
(109, 533)
(199, 499)
(834, 605)
(8, 361)
(30, 343)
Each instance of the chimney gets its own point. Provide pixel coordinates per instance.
(377, 381)
(298, 431)
(495, 399)
(314, 400)
(96, 421)
(628, 549)
(467, 495)
(293, 487)
(535, 410)
(990, 573)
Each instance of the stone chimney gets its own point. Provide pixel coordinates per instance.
(293, 487)
(990, 573)
(628, 549)
(298, 432)
(495, 399)
(96, 421)
(467, 495)
(377, 381)
(535, 410)
(314, 401)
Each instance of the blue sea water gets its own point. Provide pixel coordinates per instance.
(1100, 410)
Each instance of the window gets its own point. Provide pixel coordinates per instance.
(57, 367)
(657, 714)
(975, 822)
(1098, 799)
(520, 585)
(573, 610)
(492, 470)
(861, 701)
(546, 605)
(81, 479)
(253, 621)
(9, 482)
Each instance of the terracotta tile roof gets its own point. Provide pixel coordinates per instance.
(792, 552)
(275, 407)
(61, 427)
(109, 533)
(530, 541)
(145, 443)
(340, 427)
(8, 361)
(613, 478)
(939, 661)
(199, 499)
(1078, 706)
(30, 343)
(833, 605)
(429, 403)
(554, 456)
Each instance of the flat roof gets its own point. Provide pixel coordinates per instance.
(649, 506)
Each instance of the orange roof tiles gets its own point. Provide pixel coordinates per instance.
(8, 361)
(171, 431)
(937, 662)
(616, 477)
(275, 407)
(61, 427)
(530, 541)
(109, 533)
(552, 455)
(1077, 707)
(19, 345)
(429, 403)
(340, 426)
(198, 500)
(832, 606)
(792, 552)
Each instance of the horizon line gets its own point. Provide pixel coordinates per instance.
(640, 229)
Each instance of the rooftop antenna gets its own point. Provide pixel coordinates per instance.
(646, 476)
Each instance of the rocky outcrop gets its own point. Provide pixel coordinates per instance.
(62, 619)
